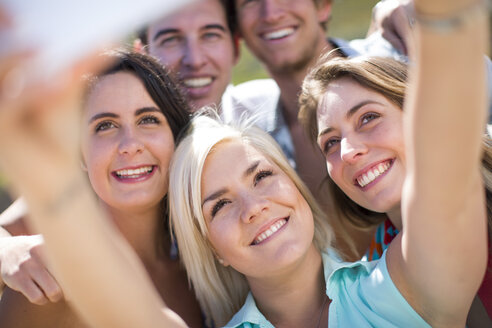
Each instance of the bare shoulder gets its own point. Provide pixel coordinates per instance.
(16, 311)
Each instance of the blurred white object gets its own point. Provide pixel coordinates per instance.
(66, 30)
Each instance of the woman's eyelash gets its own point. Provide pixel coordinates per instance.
(105, 125)
(366, 118)
(258, 177)
(218, 206)
(149, 119)
(261, 175)
(329, 144)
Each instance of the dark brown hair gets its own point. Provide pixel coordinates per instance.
(163, 91)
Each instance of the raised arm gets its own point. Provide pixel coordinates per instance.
(441, 260)
(38, 134)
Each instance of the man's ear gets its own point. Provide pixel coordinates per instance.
(324, 10)
(138, 46)
(237, 45)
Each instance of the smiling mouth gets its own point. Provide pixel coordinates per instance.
(371, 175)
(279, 34)
(270, 231)
(198, 82)
(134, 173)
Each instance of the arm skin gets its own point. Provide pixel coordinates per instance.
(443, 247)
(17, 312)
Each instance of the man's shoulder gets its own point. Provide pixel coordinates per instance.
(373, 45)
(255, 90)
(255, 97)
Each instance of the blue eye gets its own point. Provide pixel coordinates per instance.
(368, 117)
(211, 36)
(170, 41)
(329, 144)
(104, 125)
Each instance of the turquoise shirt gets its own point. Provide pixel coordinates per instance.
(362, 295)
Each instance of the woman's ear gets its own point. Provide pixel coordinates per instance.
(219, 259)
(222, 261)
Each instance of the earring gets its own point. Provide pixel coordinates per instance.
(221, 261)
(83, 166)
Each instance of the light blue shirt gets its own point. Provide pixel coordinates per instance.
(362, 295)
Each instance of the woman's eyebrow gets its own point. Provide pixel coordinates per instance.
(251, 169)
(102, 115)
(147, 110)
(222, 191)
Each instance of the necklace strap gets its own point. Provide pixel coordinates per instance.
(322, 310)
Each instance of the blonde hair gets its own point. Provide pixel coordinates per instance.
(220, 290)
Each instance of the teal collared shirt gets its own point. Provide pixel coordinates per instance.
(362, 295)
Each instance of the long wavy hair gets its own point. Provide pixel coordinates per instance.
(163, 91)
(387, 77)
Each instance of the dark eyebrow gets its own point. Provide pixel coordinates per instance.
(140, 111)
(349, 114)
(220, 192)
(102, 115)
(251, 169)
(164, 32)
(214, 26)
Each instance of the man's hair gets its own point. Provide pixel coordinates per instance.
(220, 290)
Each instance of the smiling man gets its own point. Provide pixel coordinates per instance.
(288, 36)
(196, 43)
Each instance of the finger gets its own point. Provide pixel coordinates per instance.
(47, 284)
(395, 41)
(42, 276)
(29, 289)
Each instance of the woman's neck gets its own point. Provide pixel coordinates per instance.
(395, 217)
(296, 297)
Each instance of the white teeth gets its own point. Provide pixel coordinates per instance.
(134, 173)
(270, 231)
(372, 174)
(279, 34)
(197, 82)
